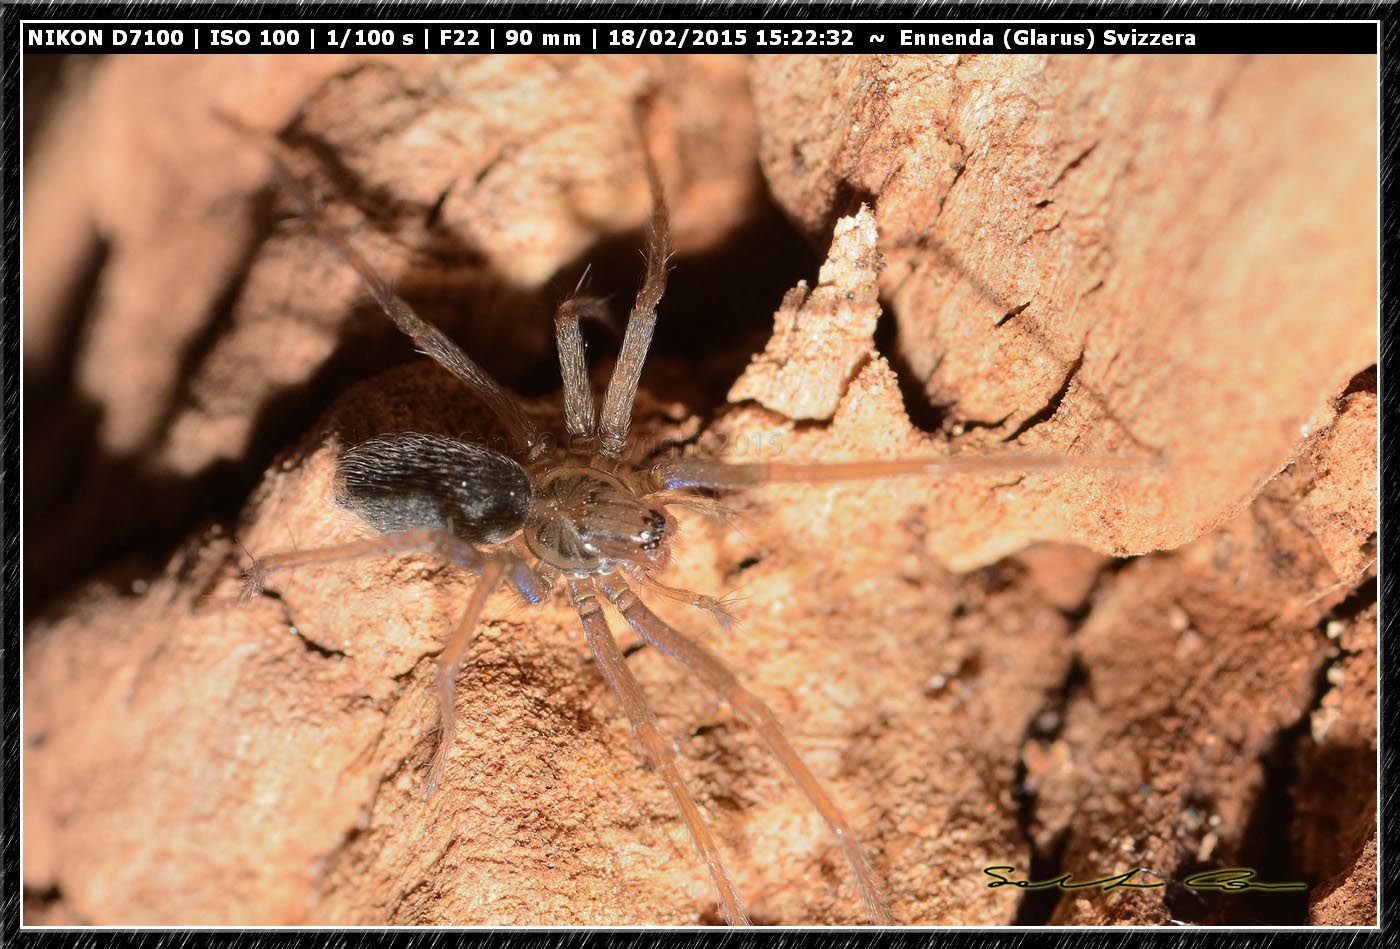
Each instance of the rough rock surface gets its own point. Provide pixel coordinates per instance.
(1096, 251)
(1052, 707)
(1334, 829)
(1197, 670)
(821, 336)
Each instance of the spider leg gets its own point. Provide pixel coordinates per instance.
(715, 674)
(429, 338)
(704, 506)
(449, 662)
(622, 387)
(534, 584)
(719, 608)
(442, 544)
(699, 473)
(579, 415)
(629, 693)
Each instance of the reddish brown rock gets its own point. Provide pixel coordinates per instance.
(1196, 668)
(1334, 800)
(1089, 252)
(185, 763)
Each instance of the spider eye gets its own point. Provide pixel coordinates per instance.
(653, 531)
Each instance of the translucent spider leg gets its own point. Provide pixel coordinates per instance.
(698, 473)
(715, 674)
(432, 341)
(629, 693)
(636, 340)
(533, 584)
(579, 416)
(705, 507)
(449, 662)
(717, 607)
(440, 543)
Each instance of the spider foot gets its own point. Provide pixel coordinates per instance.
(253, 579)
(436, 769)
(721, 609)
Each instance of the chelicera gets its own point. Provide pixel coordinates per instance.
(575, 516)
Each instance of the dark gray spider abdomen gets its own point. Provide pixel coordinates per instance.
(408, 480)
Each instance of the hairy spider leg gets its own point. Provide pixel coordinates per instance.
(433, 342)
(641, 322)
(698, 473)
(579, 414)
(534, 584)
(714, 673)
(706, 507)
(634, 704)
(719, 608)
(493, 566)
(449, 662)
(424, 540)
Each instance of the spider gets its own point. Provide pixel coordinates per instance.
(573, 516)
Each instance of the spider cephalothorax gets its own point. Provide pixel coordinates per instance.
(584, 521)
(581, 516)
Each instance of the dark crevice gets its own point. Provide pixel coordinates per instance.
(1363, 381)
(506, 150)
(1038, 906)
(1186, 905)
(325, 652)
(385, 210)
(846, 201)
(923, 412)
(46, 77)
(1331, 790)
(46, 906)
(1265, 847)
(1012, 313)
(1355, 603)
(1102, 580)
(1267, 842)
(1052, 406)
(959, 167)
(716, 314)
(218, 323)
(59, 429)
(435, 212)
(668, 448)
(46, 380)
(1074, 163)
(748, 563)
(377, 203)
(963, 425)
